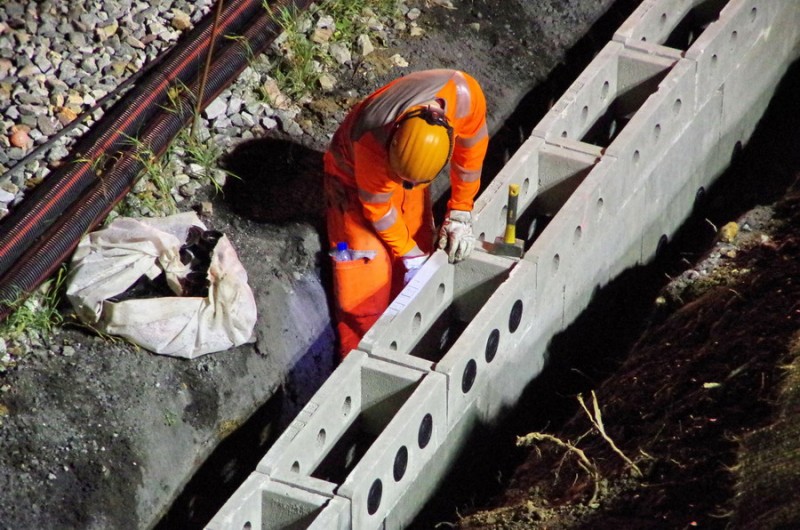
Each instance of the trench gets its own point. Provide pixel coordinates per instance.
(593, 347)
(580, 357)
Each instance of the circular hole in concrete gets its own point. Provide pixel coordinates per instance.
(604, 90)
(578, 234)
(374, 496)
(662, 245)
(734, 36)
(563, 134)
(556, 262)
(753, 13)
(525, 185)
(714, 60)
(504, 213)
(321, 438)
(425, 431)
(482, 236)
(585, 113)
(491, 345)
(699, 197)
(657, 131)
(468, 377)
(296, 467)
(347, 405)
(400, 463)
(515, 317)
(417, 322)
(636, 156)
(247, 526)
(663, 19)
(440, 293)
(676, 107)
(599, 204)
(393, 345)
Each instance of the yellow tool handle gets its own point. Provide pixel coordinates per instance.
(511, 215)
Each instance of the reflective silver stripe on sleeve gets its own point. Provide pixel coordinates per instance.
(386, 222)
(374, 198)
(464, 100)
(467, 175)
(466, 143)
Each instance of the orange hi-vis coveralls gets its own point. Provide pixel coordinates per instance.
(374, 213)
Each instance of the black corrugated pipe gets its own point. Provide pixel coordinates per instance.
(65, 184)
(42, 258)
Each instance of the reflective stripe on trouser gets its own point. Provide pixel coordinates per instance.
(364, 288)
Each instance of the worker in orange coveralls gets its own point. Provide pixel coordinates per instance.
(378, 167)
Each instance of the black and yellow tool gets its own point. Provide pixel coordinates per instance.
(509, 245)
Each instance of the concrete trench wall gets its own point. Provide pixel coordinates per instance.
(374, 442)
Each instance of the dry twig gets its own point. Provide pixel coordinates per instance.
(597, 420)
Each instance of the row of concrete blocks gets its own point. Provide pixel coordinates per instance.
(374, 442)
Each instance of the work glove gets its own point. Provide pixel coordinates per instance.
(412, 264)
(455, 235)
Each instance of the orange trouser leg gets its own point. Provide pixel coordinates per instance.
(363, 288)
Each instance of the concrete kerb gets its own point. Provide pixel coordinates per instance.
(685, 115)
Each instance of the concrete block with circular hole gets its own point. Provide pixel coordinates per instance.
(610, 90)
(433, 309)
(263, 503)
(547, 173)
(653, 23)
(412, 313)
(724, 45)
(658, 149)
(400, 453)
(754, 34)
(336, 427)
(485, 352)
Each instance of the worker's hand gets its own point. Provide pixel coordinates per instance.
(412, 264)
(455, 235)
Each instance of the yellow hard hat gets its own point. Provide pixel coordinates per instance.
(420, 144)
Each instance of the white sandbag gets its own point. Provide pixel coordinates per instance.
(109, 261)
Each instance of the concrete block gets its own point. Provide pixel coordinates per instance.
(335, 427)
(653, 22)
(432, 309)
(485, 349)
(749, 86)
(614, 85)
(552, 171)
(423, 486)
(718, 51)
(412, 313)
(489, 213)
(261, 503)
(400, 454)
